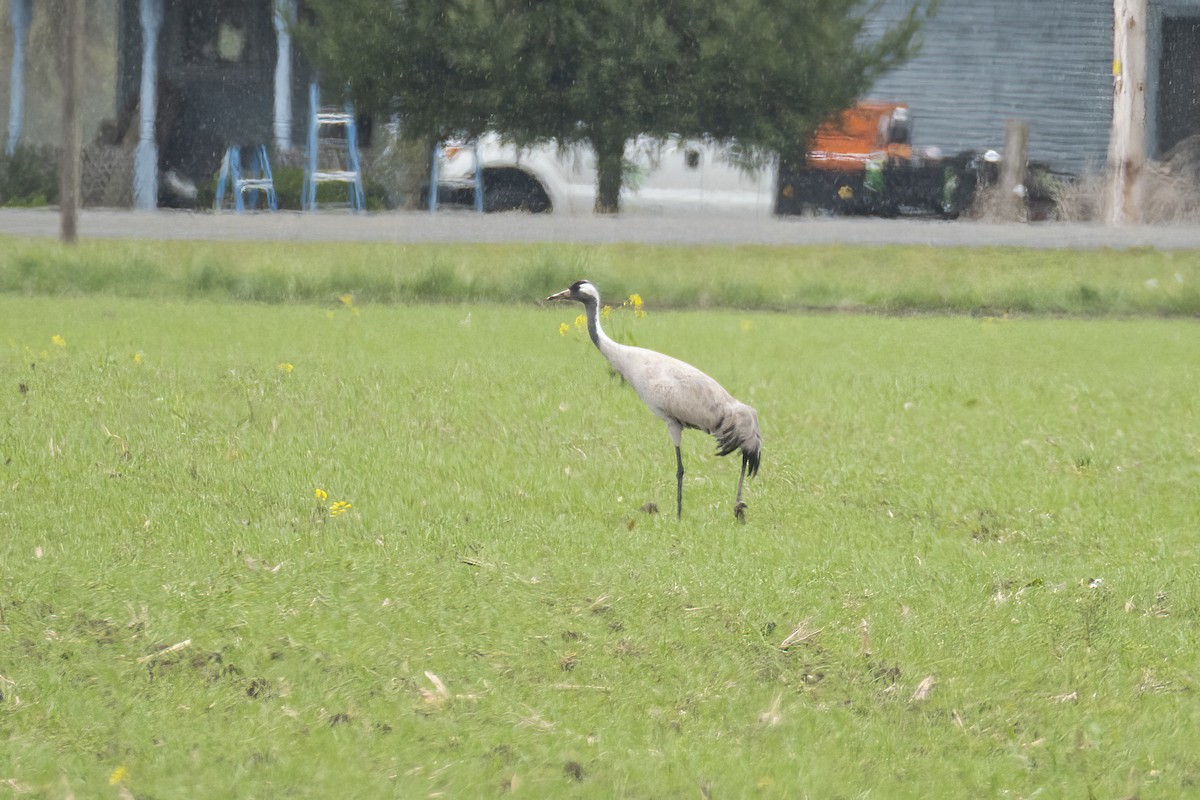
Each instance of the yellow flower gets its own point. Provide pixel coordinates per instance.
(563, 328)
(347, 299)
(635, 300)
(746, 325)
(118, 775)
(581, 321)
(606, 312)
(285, 367)
(340, 507)
(58, 340)
(137, 357)
(321, 494)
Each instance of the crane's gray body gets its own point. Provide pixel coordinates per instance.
(684, 397)
(678, 393)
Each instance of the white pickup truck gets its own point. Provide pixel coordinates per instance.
(663, 176)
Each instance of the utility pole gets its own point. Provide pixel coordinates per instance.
(1013, 191)
(1127, 140)
(71, 168)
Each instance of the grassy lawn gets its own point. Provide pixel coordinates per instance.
(896, 279)
(976, 535)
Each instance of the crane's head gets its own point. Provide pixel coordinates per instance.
(580, 291)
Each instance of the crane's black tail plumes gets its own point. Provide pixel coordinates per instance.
(739, 431)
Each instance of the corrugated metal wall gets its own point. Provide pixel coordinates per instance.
(1048, 62)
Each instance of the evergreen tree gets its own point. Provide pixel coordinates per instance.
(598, 72)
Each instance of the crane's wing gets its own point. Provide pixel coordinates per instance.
(684, 396)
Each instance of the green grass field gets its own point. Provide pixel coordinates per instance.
(840, 278)
(971, 566)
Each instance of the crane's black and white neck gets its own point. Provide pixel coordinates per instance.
(678, 393)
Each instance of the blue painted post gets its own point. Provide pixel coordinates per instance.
(222, 179)
(309, 198)
(358, 199)
(20, 12)
(235, 168)
(145, 163)
(285, 15)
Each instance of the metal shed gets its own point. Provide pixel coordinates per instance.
(1048, 62)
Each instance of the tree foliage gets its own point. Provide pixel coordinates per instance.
(762, 72)
(770, 71)
(602, 72)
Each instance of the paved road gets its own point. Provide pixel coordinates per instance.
(460, 226)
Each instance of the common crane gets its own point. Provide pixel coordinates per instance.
(681, 395)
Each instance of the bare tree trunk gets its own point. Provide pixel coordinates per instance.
(71, 168)
(610, 161)
(1127, 142)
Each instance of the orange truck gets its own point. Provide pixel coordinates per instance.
(861, 161)
(867, 132)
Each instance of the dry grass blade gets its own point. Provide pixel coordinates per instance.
(802, 633)
(437, 684)
(923, 689)
(165, 651)
(599, 605)
(432, 700)
(121, 440)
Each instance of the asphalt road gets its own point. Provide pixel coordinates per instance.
(463, 226)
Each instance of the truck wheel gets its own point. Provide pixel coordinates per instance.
(513, 190)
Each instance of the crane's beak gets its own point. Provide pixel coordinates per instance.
(565, 294)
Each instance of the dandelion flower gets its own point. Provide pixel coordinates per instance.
(117, 775)
(321, 494)
(340, 507)
(285, 367)
(137, 357)
(563, 328)
(58, 340)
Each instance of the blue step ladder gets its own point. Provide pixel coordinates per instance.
(254, 177)
(332, 155)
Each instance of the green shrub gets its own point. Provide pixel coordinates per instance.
(29, 177)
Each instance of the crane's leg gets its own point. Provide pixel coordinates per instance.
(679, 481)
(739, 508)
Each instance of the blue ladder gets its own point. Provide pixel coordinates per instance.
(349, 171)
(257, 176)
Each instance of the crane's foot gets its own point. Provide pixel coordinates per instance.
(739, 511)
